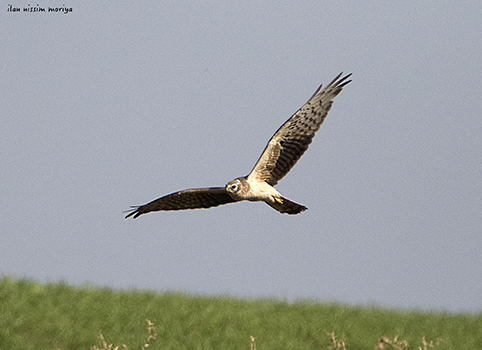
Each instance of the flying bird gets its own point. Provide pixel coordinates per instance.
(283, 150)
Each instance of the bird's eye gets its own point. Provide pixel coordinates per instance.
(234, 187)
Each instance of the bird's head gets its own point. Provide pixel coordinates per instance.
(237, 187)
(233, 186)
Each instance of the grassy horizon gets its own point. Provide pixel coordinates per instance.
(58, 316)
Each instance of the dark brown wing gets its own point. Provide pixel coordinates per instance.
(193, 198)
(292, 139)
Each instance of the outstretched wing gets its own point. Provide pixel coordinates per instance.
(193, 198)
(293, 138)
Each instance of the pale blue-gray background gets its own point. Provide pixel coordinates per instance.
(117, 104)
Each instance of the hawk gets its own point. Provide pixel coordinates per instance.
(283, 150)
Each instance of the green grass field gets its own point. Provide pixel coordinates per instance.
(59, 316)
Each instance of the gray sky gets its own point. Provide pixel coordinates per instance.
(116, 105)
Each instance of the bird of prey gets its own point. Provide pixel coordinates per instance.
(283, 150)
